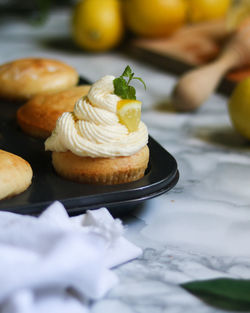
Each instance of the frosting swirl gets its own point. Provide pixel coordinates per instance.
(93, 128)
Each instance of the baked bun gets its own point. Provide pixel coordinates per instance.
(22, 79)
(38, 116)
(15, 174)
(107, 171)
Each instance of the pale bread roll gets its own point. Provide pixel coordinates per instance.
(23, 78)
(15, 174)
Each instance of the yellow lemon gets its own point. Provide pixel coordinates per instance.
(205, 10)
(154, 18)
(239, 108)
(97, 24)
(238, 14)
(129, 113)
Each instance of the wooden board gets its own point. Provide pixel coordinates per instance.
(191, 46)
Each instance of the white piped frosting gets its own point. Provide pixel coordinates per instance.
(93, 128)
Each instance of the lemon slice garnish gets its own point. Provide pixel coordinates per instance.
(129, 113)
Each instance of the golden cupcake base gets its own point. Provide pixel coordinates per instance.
(106, 171)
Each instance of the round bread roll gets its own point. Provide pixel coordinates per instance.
(38, 116)
(15, 174)
(22, 79)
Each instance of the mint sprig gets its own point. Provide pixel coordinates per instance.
(122, 87)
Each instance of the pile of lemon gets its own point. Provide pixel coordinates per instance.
(100, 25)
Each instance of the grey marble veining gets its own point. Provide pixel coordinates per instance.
(198, 230)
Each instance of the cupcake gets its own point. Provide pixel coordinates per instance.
(15, 174)
(23, 78)
(103, 140)
(38, 116)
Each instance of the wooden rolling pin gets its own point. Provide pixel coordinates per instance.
(197, 85)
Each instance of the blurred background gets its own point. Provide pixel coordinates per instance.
(150, 18)
(173, 35)
(31, 11)
(190, 30)
(101, 25)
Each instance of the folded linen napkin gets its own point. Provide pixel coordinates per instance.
(55, 263)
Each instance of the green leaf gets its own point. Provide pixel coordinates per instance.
(223, 293)
(122, 87)
(127, 72)
(131, 93)
(142, 81)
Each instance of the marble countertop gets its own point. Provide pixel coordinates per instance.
(198, 230)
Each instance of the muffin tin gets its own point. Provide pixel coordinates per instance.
(161, 175)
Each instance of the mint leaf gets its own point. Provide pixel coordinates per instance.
(142, 81)
(122, 87)
(131, 93)
(223, 293)
(122, 90)
(127, 72)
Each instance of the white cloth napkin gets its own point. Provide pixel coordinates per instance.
(54, 263)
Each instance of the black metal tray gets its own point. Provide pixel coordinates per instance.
(161, 175)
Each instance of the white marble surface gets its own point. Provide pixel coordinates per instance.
(198, 230)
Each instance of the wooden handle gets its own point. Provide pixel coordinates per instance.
(197, 85)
